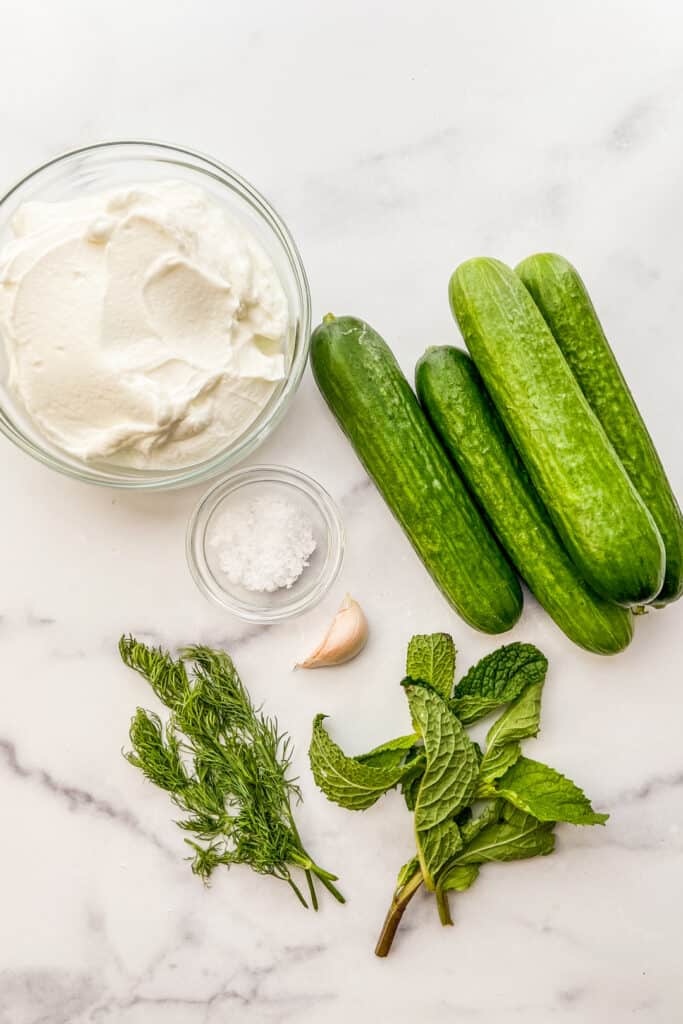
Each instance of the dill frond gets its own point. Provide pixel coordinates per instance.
(224, 763)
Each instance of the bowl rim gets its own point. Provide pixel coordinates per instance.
(201, 515)
(252, 437)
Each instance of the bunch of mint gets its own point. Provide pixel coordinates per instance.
(469, 805)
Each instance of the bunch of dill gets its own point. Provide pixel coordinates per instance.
(223, 763)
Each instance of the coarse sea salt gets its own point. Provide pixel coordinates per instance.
(264, 544)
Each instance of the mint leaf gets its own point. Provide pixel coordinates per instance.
(343, 779)
(508, 841)
(459, 877)
(450, 777)
(413, 770)
(389, 754)
(504, 673)
(410, 787)
(448, 783)
(431, 659)
(408, 871)
(514, 816)
(470, 708)
(410, 784)
(489, 813)
(546, 794)
(502, 758)
(436, 846)
(496, 680)
(519, 721)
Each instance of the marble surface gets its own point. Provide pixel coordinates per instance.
(396, 140)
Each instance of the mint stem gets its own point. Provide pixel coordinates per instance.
(393, 919)
(443, 907)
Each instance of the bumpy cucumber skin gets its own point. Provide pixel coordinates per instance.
(376, 408)
(455, 400)
(602, 521)
(561, 296)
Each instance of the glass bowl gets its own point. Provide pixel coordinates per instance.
(235, 492)
(111, 164)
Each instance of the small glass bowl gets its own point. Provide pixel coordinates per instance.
(269, 482)
(105, 166)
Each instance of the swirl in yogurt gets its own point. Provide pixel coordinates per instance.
(143, 326)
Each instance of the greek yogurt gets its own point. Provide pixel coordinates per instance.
(142, 326)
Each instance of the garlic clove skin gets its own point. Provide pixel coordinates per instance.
(346, 637)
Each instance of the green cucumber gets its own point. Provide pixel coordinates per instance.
(462, 414)
(602, 521)
(561, 296)
(378, 411)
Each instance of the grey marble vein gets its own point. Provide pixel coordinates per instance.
(636, 126)
(649, 787)
(350, 497)
(243, 989)
(45, 996)
(77, 798)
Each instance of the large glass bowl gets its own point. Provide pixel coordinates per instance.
(109, 165)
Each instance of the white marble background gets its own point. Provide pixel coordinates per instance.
(396, 139)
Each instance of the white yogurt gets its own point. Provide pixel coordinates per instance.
(142, 326)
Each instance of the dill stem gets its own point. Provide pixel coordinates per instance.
(308, 864)
(295, 887)
(325, 880)
(311, 889)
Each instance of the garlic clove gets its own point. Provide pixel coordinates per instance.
(345, 638)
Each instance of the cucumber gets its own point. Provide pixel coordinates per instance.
(561, 296)
(602, 521)
(378, 411)
(458, 407)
